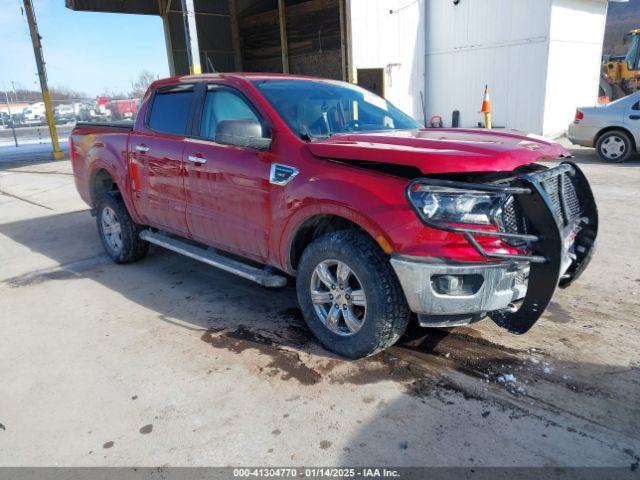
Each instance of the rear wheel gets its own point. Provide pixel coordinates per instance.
(118, 232)
(350, 296)
(614, 146)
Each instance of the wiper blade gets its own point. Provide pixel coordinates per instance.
(310, 137)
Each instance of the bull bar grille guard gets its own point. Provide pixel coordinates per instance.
(553, 231)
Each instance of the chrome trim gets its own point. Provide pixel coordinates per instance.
(291, 173)
(194, 159)
(499, 287)
(142, 148)
(260, 276)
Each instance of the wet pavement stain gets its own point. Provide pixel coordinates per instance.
(285, 363)
(107, 445)
(2, 427)
(557, 314)
(324, 444)
(423, 369)
(146, 429)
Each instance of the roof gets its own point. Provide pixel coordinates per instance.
(144, 7)
(247, 76)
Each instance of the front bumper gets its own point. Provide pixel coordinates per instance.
(495, 287)
(560, 235)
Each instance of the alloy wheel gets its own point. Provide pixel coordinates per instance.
(613, 147)
(338, 297)
(111, 229)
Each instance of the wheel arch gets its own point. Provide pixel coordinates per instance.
(313, 225)
(104, 179)
(101, 181)
(618, 128)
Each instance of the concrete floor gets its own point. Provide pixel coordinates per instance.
(170, 362)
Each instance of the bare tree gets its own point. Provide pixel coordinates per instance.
(139, 86)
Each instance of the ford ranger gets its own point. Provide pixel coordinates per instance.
(380, 221)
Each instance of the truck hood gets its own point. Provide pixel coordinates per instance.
(440, 150)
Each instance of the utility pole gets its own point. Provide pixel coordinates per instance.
(13, 87)
(13, 127)
(191, 37)
(42, 75)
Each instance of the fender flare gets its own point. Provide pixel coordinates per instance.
(98, 164)
(305, 213)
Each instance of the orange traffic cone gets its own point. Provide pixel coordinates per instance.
(486, 107)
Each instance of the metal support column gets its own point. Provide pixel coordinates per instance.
(191, 37)
(42, 75)
(284, 45)
(164, 6)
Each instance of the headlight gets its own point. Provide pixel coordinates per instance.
(452, 205)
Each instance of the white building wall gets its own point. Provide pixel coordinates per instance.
(575, 49)
(540, 58)
(393, 41)
(500, 43)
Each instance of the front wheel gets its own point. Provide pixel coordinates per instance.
(118, 232)
(350, 296)
(614, 146)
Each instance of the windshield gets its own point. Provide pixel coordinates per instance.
(318, 109)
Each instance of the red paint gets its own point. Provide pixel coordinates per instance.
(229, 203)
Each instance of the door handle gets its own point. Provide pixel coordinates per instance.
(634, 117)
(198, 160)
(142, 148)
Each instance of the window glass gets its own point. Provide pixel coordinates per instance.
(317, 109)
(170, 111)
(223, 104)
(632, 55)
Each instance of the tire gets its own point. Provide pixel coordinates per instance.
(614, 146)
(385, 315)
(123, 244)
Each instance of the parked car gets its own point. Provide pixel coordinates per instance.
(613, 129)
(35, 114)
(380, 221)
(64, 113)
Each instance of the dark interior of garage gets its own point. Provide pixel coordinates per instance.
(306, 37)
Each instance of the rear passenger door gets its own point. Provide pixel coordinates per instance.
(227, 186)
(156, 159)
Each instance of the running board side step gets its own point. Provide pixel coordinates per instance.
(262, 277)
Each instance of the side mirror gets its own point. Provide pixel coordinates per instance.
(242, 133)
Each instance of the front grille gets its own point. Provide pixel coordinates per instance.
(509, 217)
(565, 202)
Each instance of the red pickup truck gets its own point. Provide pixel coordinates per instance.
(381, 222)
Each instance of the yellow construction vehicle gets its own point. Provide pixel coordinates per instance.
(621, 74)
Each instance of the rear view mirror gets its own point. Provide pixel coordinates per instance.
(242, 133)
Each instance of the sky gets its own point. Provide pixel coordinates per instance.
(84, 51)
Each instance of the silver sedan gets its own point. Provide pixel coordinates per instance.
(613, 129)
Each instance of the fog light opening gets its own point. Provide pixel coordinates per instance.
(457, 285)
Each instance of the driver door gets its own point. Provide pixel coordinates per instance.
(227, 186)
